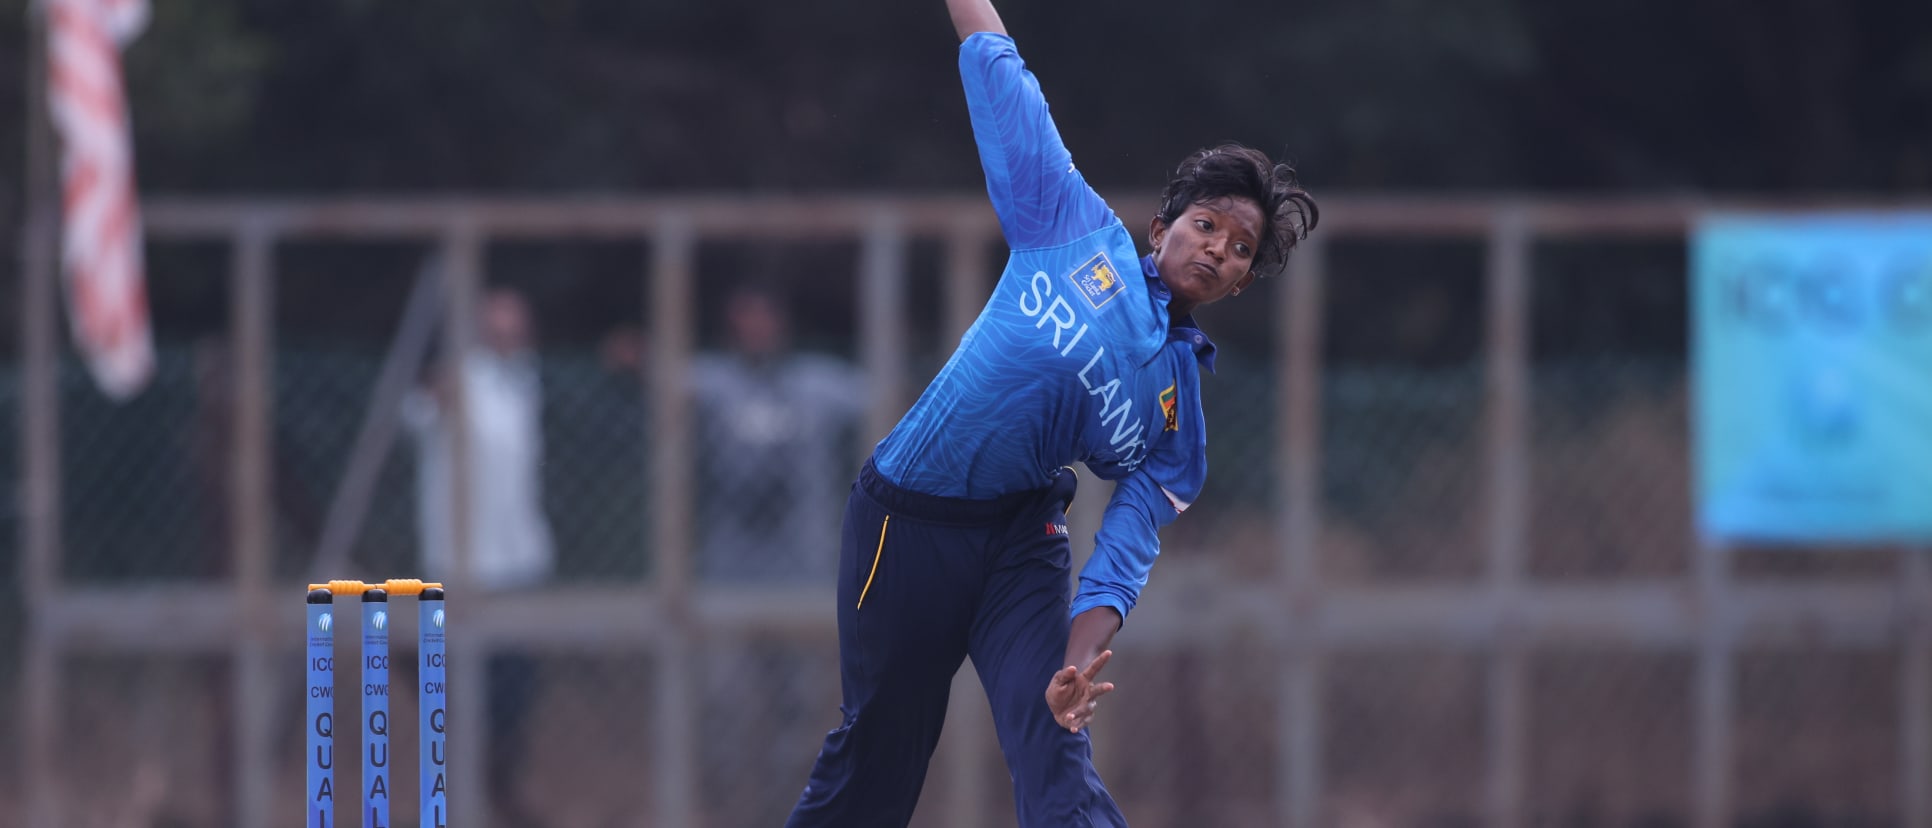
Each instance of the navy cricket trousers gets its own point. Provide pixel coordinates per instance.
(925, 582)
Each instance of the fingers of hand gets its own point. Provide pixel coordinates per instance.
(1065, 683)
(1074, 720)
(1078, 719)
(1082, 714)
(1063, 692)
(1099, 661)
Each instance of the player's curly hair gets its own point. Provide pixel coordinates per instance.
(1288, 212)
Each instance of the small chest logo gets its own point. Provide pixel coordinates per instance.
(1056, 528)
(1168, 400)
(1098, 280)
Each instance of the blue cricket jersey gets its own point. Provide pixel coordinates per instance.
(1073, 359)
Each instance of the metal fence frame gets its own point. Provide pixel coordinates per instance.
(1505, 616)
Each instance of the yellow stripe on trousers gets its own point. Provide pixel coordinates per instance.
(875, 563)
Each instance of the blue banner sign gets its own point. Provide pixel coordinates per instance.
(1812, 360)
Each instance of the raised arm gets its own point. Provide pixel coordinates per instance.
(1040, 196)
(973, 16)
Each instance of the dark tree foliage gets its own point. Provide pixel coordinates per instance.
(492, 95)
(1723, 96)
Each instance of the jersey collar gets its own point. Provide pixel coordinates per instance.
(1183, 329)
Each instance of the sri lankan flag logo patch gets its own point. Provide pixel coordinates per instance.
(1168, 398)
(1098, 280)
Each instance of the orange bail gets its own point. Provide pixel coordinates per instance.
(393, 586)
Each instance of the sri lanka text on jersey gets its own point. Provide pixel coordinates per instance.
(1126, 438)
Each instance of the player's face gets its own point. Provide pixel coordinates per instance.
(1208, 252)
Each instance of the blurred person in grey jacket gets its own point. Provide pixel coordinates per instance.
(774, 429)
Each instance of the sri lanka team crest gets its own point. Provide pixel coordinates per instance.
(1098, 280)
(1168, 399)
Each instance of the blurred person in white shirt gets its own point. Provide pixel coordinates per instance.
(509, 535)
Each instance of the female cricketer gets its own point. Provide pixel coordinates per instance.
(955, 538)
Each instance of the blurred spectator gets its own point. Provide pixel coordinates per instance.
(774, 428)
(509, 536)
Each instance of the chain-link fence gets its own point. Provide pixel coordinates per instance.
(1201, 732)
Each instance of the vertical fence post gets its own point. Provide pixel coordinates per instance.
(1298, 428)
(1915, 691)
(672, 307)
(1714, 680)
(39, 442)
(969, 279)
(251, 517)
(670, 311)
(462, 280)
(1506, 414)
(461, 256)
(882, 321)
(40, 710)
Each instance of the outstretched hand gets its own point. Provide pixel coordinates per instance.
(1073, 694)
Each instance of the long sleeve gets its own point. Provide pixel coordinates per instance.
(1040, 197)
(1146, 500)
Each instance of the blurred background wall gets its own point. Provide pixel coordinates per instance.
(686, 261)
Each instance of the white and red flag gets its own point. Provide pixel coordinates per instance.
(107, 298)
